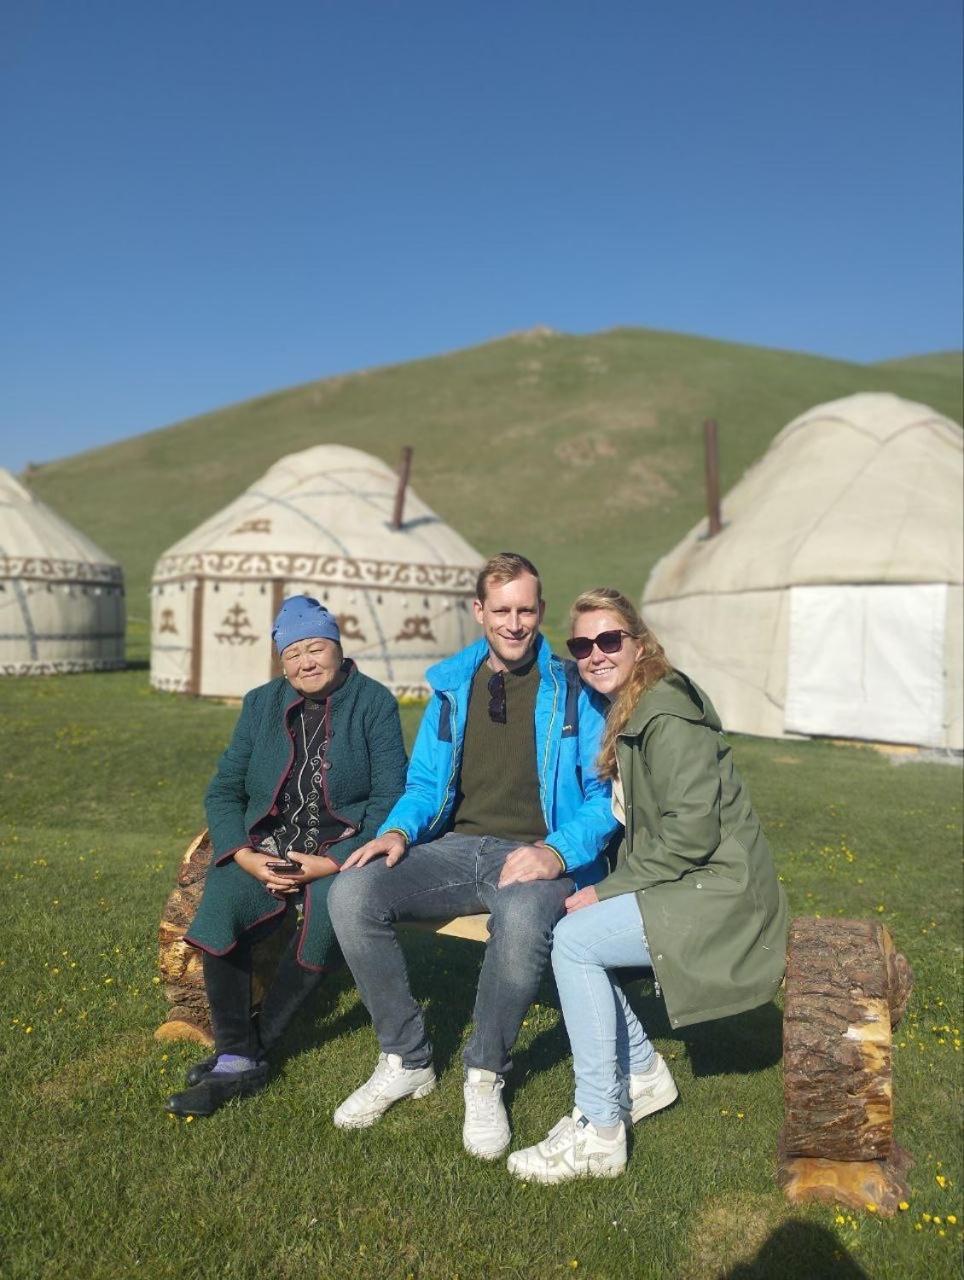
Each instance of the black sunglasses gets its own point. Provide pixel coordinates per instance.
(496, 687)
(608, 642)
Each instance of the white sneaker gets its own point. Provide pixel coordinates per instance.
(388, 1083)
(485, 1132)
(650, 1090)
(573, 1149)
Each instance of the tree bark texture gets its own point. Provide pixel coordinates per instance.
(846, 987)
(180, 964)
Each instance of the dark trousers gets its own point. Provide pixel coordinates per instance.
(227, 980)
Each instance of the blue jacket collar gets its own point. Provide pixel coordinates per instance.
(457, 671)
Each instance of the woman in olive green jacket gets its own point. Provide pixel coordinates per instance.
(694, 893)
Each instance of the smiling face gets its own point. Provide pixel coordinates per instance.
(510, 616)
(313, 667)
(607, 673)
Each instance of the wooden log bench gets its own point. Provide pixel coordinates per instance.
(846, 989)
(180, 966)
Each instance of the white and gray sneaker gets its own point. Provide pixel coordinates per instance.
(485, 1132)
(388, 1083)
(574, 1148)
(650, 1091)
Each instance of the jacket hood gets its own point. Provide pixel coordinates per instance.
(674, 695)
(452, 673)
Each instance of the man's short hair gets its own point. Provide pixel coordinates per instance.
(504, 567)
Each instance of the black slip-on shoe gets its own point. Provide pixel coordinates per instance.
(195, 1074)
(215, 1089)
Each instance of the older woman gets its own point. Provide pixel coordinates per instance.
(694, 893)
(315, 764)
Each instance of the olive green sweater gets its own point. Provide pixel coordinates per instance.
(498, 791)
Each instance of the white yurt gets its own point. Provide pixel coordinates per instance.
(831, 601)
(318, 523)
(61, 597)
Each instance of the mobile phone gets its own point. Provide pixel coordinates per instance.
(285, 868)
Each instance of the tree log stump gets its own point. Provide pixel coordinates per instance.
(180, 964)
(846, 988)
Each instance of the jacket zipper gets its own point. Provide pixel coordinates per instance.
(545, 759)
(451, 777)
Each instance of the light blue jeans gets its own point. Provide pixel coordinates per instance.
(608, 1040)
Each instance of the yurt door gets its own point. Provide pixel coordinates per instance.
(235, 634)
(867, 662)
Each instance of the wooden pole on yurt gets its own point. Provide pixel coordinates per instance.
(404, 470)
(712, 454)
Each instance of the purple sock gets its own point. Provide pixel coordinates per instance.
(231, 1063)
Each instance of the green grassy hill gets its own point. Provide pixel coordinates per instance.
(944, 362)
(584, 452)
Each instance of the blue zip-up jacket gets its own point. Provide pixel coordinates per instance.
(569, 723)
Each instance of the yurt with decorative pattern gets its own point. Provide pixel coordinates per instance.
(831, 602)
(61, 597)
(318, 523)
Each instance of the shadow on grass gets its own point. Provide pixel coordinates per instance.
(739, 1045)
(314, 1025)
(799, 1249)
(750, 1041)
(444, 976)
(747, 1042)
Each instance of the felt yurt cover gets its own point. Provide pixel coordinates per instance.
(831, 601)
(61, 597)
(318, 523)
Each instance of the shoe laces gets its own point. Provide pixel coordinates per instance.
(383, 1072)
(560, 1137)
(482, 1101)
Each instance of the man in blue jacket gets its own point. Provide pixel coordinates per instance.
(502, 812)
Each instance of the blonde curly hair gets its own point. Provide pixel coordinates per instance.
(650, 666)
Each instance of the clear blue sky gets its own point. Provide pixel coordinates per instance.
(204, 200)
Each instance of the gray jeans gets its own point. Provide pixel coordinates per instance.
(456, 875)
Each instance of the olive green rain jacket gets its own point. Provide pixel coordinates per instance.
(694, 854)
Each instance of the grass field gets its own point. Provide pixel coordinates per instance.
(102, 780)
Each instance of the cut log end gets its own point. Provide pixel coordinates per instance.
(875, 1186)
(177, 1029)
